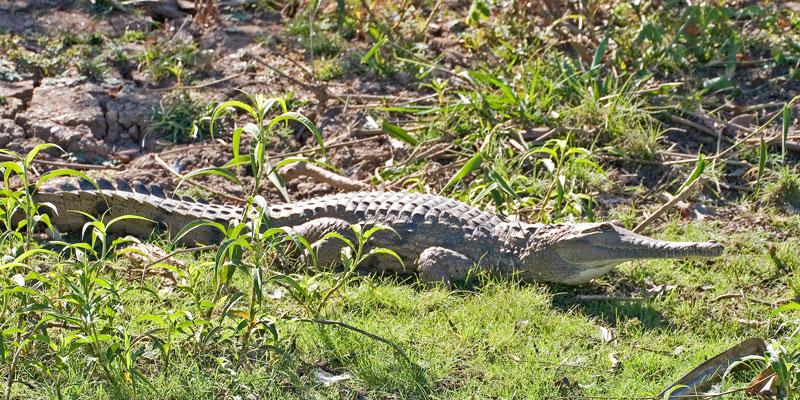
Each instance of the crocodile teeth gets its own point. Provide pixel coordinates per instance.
(156, 190)
(105, 184)
(122, 185)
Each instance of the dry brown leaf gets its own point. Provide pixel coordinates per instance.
(764, 384)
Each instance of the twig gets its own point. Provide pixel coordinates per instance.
(63, 164)
(758, 107)
(180, 251)
(727, 296)
(327, 146)
(699, 127)
(359, 330)
(679, 197)
(601, 297)
(187, 148)
(200, 85)
(738, 142)
(322, 175)
(205, 187)
(430, 17)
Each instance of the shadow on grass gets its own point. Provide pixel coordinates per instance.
(612, 312)
(396, 374)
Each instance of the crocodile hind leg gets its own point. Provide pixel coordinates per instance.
(440, 265)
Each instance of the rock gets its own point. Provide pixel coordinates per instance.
(10, 106)
(10, 133)
(164, 10)
(22, 90)
(67, 112)
(129, 112)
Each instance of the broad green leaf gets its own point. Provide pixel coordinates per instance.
(295, 116)
(337, 235)
(377, 228)
(699, 167)
(64, 172)
(471, 165)
(194, 225)
(370, 54)
(43, 146)
(381, 250)
(222, 172)
(232, 103)
(600, 52)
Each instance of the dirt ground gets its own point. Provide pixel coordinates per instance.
(107, 122)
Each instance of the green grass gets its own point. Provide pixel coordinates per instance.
(498, 339)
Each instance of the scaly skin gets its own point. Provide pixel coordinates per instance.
(439, 238)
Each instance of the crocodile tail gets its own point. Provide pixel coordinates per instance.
(107, 200)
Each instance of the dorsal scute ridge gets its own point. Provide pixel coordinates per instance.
(105, 184)
(157, 191)
(84, 184)
(140, 188)
(122, 185)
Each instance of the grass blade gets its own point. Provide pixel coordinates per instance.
(762, 161)
(787, 117)
(398, 133)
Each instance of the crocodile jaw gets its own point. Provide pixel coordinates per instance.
(591, 250)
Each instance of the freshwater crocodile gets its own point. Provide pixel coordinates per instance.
(438, 238)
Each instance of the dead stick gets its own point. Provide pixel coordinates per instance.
(200, 85)
(180, 251)
(322, 175)
(600, 297)
(680, 197)
(4, 157)
(327, 147)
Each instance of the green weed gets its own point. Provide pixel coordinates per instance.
(181, 118)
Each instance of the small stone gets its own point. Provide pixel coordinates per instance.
(22, 90)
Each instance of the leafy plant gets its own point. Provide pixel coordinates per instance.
(18, 211)
(180, 117)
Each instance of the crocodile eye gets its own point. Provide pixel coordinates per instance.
(603, 227)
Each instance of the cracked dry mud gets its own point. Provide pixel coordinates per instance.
(80, 116)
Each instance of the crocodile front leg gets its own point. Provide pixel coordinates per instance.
(440, 265)
(328, 250)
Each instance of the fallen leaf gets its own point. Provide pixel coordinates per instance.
(711, 370)
(615, 363)
(763, 384)
(328, 379)
(606, 335)
(655, 290)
